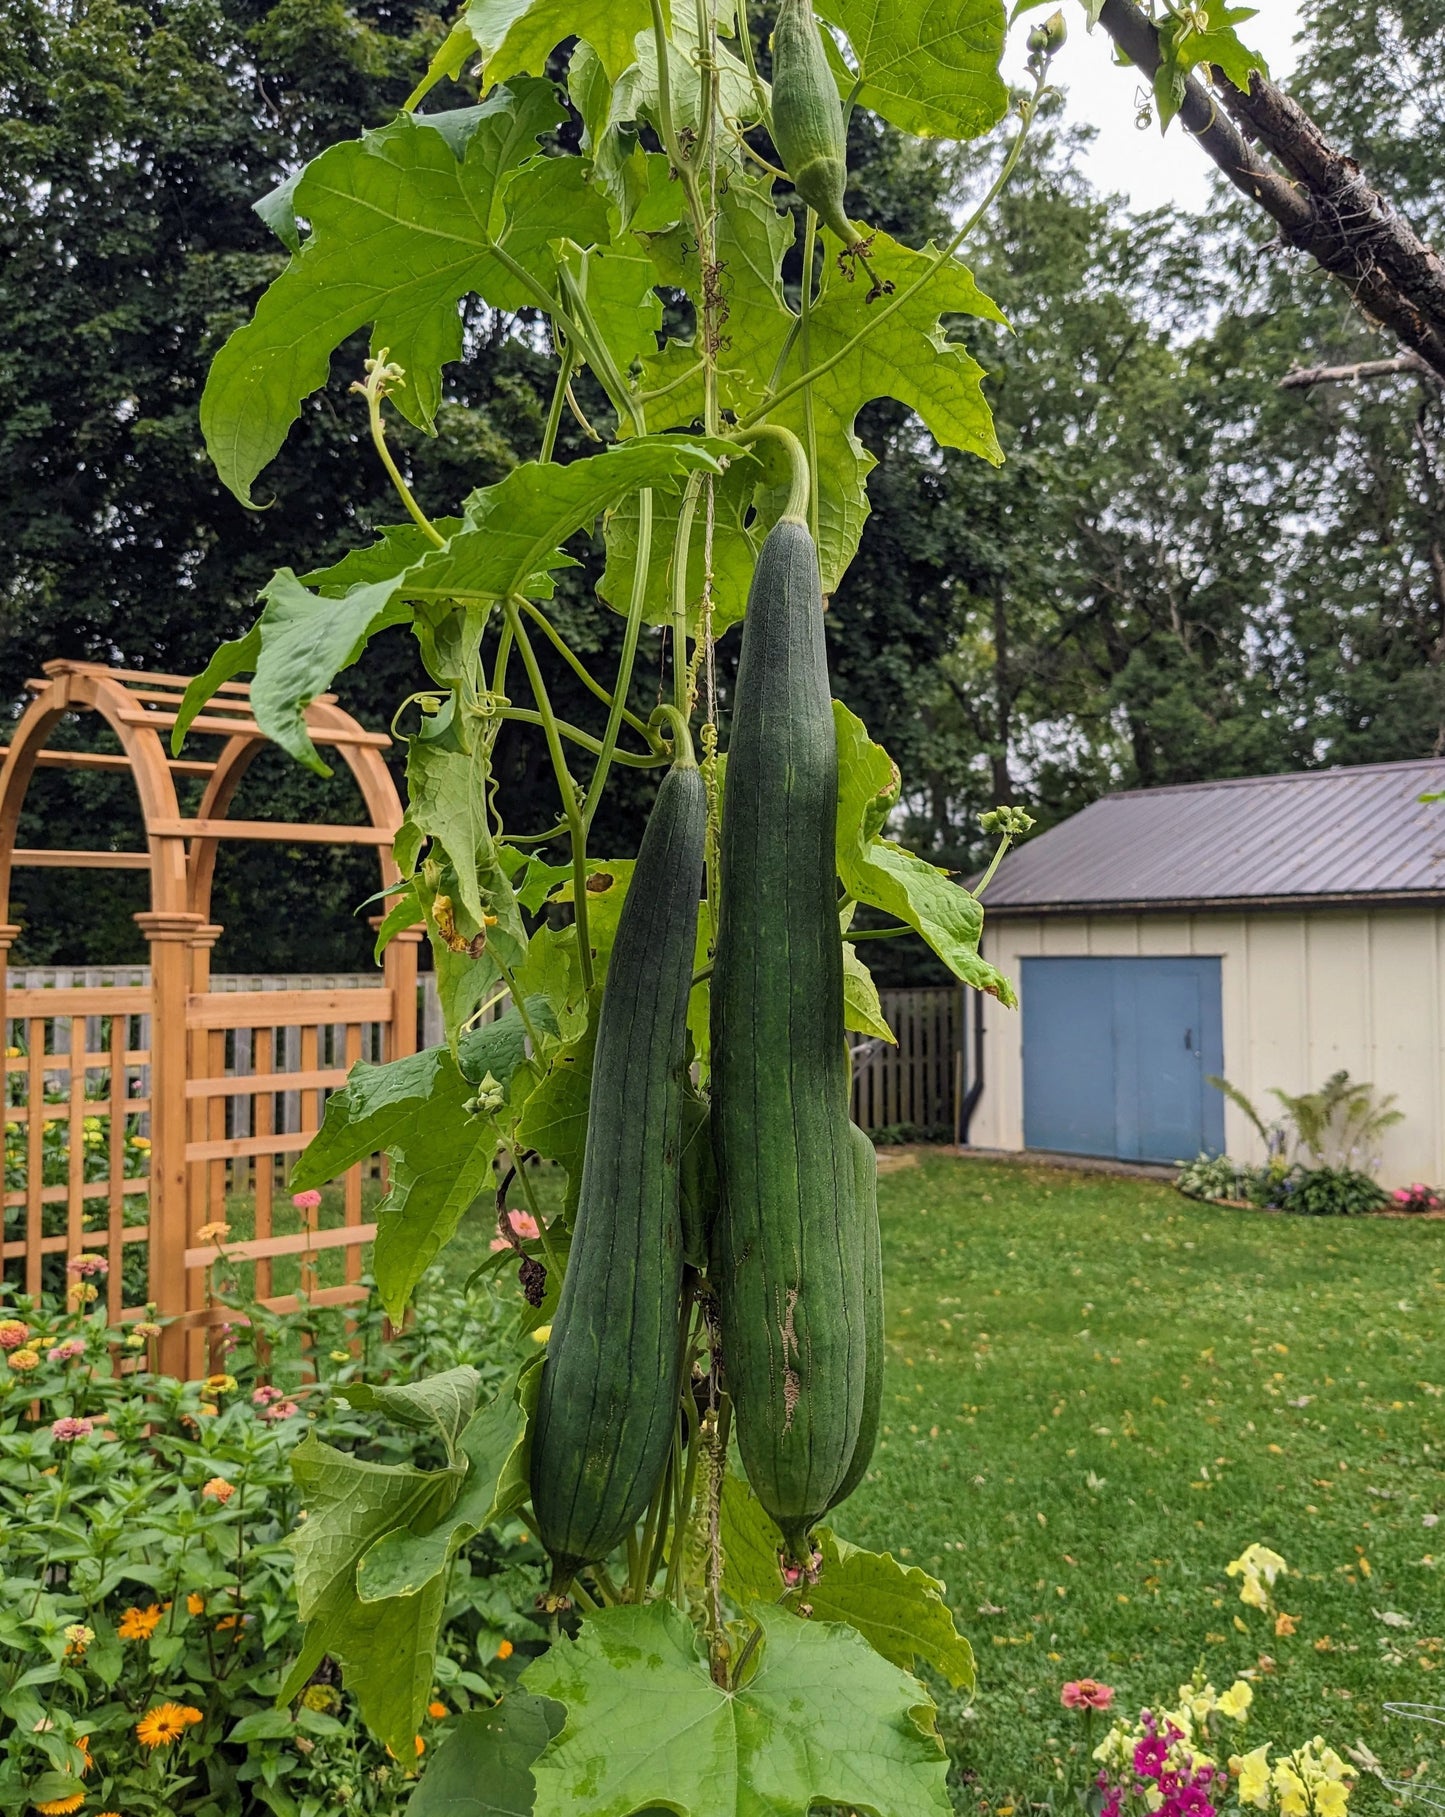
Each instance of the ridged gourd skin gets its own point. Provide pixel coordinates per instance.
(807, 117)
(865, 1181)
(786, 1258)
(608, 1395)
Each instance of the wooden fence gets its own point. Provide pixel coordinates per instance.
(920, 1081)
(82, 1115)
(262, 1054)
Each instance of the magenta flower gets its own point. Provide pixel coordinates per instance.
(65, 1430)
(306, 1201)
(281, 1410)
(265, 1395)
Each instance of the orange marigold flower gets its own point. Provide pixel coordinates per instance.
(226, 1621)
(166, 1723)
(195, 1603)
(61, 1807)
(140, 1624)
(23, 1360)
(219, 1490)
(437, 1711)
(504, 1649)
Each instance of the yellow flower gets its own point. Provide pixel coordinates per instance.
(213, 1233)
(541, 1334)
(1236, 1700)
(83, 1292)
(195, 1603)
(319, 1697)
(1294, 1798)
(61, 1807)
(139, 1624)
(23, 1360)
(79, 1637)
(166, 1723)
(504, 1649)
(1252, 1772)
(219, 1384)
(1259, 1567)
(340, 1356)
(1331, 1798)
(141, 1142)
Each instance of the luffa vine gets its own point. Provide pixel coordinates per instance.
(686, 1632)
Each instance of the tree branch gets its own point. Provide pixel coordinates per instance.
(1303, 377)
(1321, 203)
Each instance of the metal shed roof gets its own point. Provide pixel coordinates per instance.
(1319, 837)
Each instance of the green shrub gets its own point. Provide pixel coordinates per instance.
(148, 1614)
(1317, 1192)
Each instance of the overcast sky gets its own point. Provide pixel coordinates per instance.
(1149, 170)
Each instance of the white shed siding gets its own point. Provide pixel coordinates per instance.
(1303, 995)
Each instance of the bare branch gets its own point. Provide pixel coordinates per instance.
(1322, 204)
(1303, 377)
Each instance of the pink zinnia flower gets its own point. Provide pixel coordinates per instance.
(13, 1333)
(66, 1429)
(306, 1201)
(62, 1353)
(281, 1410)
(265, 1394)
(83, 1265)
(1086, 1694)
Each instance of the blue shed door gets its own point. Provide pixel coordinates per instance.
(1116, 1054)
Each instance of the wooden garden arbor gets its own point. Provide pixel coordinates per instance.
(211, 1060)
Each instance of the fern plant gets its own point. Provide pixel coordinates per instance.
(1339, 1126)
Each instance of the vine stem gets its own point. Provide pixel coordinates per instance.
(805, 320)
(380, 377)
(566, 787)
(909, 291)
(578, 667)
(567, 360)
(625, 662)
(575, 735)
(797, 505)
(682, 548)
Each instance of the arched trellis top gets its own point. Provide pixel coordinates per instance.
(231, 1082)
(140, 709)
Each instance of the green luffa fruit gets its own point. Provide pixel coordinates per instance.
(807, 117)
(865, 1181)
(788, 1243)
(608, 1394)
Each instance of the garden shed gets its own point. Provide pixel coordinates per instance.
(1272, 929)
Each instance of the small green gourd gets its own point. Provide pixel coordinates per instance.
(807, 125)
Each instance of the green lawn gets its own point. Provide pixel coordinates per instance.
(1098, 1393)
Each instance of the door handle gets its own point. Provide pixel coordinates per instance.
(1189, 1040)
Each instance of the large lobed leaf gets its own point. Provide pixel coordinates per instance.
(381, 1619)
(881, 872)
(405, 222)
(441, 1158)
(928, 66)
(509, 539)
(823, 1720)
(898, 1609)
